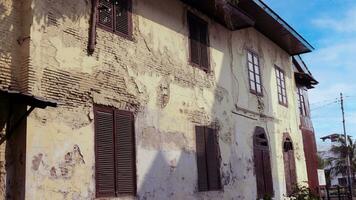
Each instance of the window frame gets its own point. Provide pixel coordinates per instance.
(302, 107)
(113, 28)
(279, 72)
(253, 88)
(190, 15)
(113, 110)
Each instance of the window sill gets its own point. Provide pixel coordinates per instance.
(127, 37)
(283, 104)
(199, 67)
(256, 93)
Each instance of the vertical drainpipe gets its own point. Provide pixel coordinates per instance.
(92, 27)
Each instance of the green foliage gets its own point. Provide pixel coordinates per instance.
(302, 193)
(266, 197)
(321, 162)
(339, 152)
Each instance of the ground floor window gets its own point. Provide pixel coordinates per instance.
(208, 161)
(115, 168)
(289, 164)
(262, 163)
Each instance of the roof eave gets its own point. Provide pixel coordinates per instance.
(27, 99)
(285, 25)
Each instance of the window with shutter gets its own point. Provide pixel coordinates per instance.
(281, 86)
(254, 73)
(199, 41)
(104, 152)
(115, 16)
(115, 170)
(262, 163)
(289, 164)
(208, 161)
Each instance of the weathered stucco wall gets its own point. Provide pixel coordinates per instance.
(14, 40)
(152, 77)
(3, 119)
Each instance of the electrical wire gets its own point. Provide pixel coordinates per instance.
(325, 105)
(324, 101)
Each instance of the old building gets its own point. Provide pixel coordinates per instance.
(153, 99)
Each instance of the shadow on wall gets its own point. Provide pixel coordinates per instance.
(9, 47)
(171, 176)
(236, 143)
(16, 18)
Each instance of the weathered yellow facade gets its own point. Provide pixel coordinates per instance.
(44, 53)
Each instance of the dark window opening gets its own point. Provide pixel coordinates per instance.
(199, 42)
(115, 160)
(208, 161)
(342, 181)
(263, 170)
(281, 87)
(115, 16)
(254, 73)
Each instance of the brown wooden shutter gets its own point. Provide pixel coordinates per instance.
(287, 172)
(105, 13)
(122, 9)
(194, 36)
(201, 159)
(204, 57)
(213, 166)
(268, 174)
(104, 152)
(262, 164)
(293, 170)
(125, 153)
(258, 161)
(289, 165)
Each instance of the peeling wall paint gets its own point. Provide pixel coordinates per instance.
(151, 76)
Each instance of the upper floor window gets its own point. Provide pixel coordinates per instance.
(301, 102)
(115, 16)
(207, 159)
(254, 73)
(199, 41)
(281, 86)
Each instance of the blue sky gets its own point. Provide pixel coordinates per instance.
(330, 26)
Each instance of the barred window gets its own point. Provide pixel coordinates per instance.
(115, 16)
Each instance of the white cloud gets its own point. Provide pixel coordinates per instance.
(329, 92)
(346, 23)
(336, 54)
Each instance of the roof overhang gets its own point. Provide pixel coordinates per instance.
(223, 12)
(274, 27)
(239, 14)
(303, 76)
(30, 100)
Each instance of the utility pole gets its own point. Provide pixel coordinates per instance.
(347, 148)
